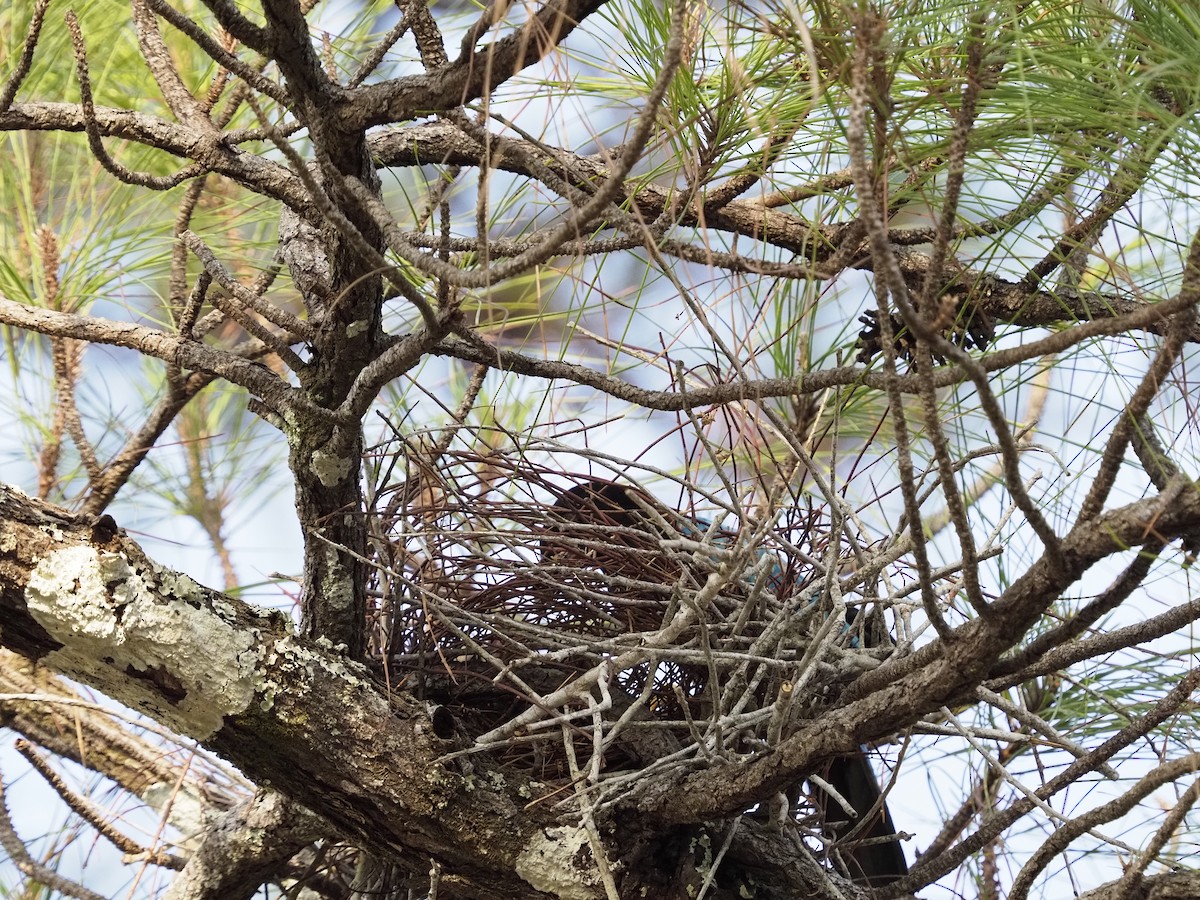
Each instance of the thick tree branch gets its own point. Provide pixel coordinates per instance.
(246, 849)
(1182, 884)
(50, 713)
(476, 73)
(285, 711)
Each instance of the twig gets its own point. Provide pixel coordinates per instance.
(114, 168)
(13, 83)
(93, 816)
(15, 848)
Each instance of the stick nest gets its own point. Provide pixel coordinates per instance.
(574, 623)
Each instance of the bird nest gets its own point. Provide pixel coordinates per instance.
(547, 613)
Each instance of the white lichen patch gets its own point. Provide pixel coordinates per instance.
(551, 863)
(152, 643)
(289, 663)
(286, 665)
(336, 586)
(329, 468)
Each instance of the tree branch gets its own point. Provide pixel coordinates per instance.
(902, 691)
(170, 348)
(474, 74)
(285, 711)
(260, 175)
(248, 847)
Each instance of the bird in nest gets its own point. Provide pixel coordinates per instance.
(618, 530)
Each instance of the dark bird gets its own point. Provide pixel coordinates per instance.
(611, 520)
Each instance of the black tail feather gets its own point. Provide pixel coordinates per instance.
(868, 856)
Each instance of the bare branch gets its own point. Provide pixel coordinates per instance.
(474, 74)
(15, 848)
(293, 328)
(246, 848)
(265, 176)
(97, 818)
(240, 27)
(219, 54)
(187, 108)
(160, 345)
(155, 182)
(1069, 831)
(21, 72)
